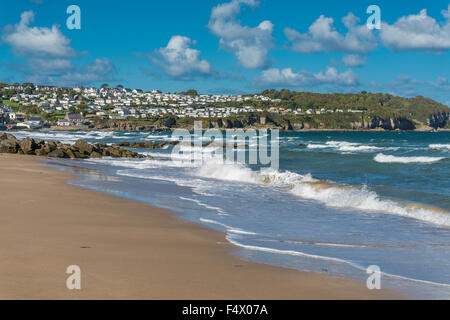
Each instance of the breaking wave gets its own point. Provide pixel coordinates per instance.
(327, 192)
(440, 146)
(382, 158)
(345, 146)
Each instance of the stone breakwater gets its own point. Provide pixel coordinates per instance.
(55, 149)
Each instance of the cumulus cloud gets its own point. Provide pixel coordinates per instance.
(322, 36)
(288, 78)
(179, 60)
(34, 41)
(418, 32)
(353, 60)
(48, 55)
(250, 45)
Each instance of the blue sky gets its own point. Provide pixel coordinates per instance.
(231, 46)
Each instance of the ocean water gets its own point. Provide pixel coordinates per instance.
(338, 203)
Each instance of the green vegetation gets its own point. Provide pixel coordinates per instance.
(10, 103)
(374, 104)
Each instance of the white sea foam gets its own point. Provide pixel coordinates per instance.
(65, 137)
(364, 199)
(345, 146)
(313, 256)
(382, 158)
(440, 146)
(219, 211)
(329, 193)
(228, 228)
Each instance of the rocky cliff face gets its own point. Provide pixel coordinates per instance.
(269, 121)
(392, 124)
(439, 120)
(249, 121)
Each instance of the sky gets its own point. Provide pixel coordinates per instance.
(230, 46)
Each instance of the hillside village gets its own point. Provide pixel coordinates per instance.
(68, 106)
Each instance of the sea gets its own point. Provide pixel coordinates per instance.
(337, 203)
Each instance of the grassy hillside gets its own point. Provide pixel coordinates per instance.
(375, 105)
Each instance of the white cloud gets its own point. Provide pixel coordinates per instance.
(48, 55)
(34, 41)
(417, 33)
(179, 60)
(322, 36)
(250, 45)
(286, 77)
(353, 60)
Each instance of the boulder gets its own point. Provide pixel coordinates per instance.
(28, 145)
(95, 154)
(80, 155)
(8, 137)
(40, 152)
(50, 146)
(70, 153)
(58, 153)
(84, 147)
(9, 146)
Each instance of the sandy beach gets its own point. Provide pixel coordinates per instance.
(127, 249)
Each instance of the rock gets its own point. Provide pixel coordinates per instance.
(28, 145)
(84, 147)
(302, 145)
(9, 146)
(50, 146)
(8, 137)
(114, 152)
(80, 155)
(40, 152)
(58, 153)
(70, 153)
(100, 145)
(80, 150)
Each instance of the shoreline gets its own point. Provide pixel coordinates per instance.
(129, 250)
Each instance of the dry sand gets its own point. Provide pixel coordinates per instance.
(127, 249)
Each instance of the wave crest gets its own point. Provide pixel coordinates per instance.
(382, 158)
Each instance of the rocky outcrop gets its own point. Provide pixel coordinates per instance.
(28, 146)
(249, 121)
(392, 124)
(439, 120)
(9, 143)
(55, 149)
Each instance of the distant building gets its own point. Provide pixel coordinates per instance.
(34, 123)
(18, 117)
(71, 119)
